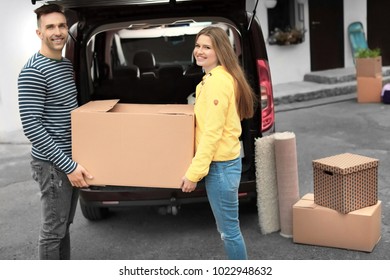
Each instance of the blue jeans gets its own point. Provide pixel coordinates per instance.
(58, 207)
(222, 184)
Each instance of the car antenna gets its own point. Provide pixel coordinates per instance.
(253, 15)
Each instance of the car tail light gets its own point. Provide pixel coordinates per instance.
(266, 95)
(242, 194)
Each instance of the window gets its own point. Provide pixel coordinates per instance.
(286, 23)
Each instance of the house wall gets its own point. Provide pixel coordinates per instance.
(288, 63)
(291, 63)
(354, 10)
(19, 41)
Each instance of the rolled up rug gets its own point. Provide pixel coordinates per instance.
(266, 185)
(287, 179)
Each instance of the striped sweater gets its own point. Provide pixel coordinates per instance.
(47, 95)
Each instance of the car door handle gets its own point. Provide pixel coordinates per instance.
(315, 22)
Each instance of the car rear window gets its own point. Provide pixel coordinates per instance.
(150, 62)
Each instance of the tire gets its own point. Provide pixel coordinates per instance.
(93, 213)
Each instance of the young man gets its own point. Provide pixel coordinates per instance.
(47, 95)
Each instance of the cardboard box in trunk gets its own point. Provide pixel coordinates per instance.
(345, 182)
(317, 225)
(138, 145)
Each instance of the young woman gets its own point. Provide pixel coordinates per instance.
(223, 99)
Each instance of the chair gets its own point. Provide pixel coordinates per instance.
(170, 72)
(171, 83)
(192, 76)
(126, 72)
(125, 83)
(145, 61)
(357, 38)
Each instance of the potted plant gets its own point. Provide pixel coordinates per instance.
(369, 75)
(367, 53)
(289, 36)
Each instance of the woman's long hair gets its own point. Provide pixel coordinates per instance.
(226, 56)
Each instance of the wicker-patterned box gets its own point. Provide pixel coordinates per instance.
(345, 182)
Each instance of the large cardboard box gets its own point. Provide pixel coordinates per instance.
(369, 89)
(345, 182)
(369, 67)
(317, 225)
(133, 144)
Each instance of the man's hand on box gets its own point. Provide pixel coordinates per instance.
(77, 177)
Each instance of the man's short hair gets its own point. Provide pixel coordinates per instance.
(48, 9)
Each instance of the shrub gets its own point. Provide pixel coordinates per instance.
(367, 53)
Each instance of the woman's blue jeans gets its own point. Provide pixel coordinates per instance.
(222, 184)
(58, 207)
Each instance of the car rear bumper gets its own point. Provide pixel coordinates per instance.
(112, 196)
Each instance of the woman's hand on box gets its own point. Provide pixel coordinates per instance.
(187, 185)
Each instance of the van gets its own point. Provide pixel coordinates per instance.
(140, 52)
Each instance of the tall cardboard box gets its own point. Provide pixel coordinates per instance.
(133, 144)
(369, 67)
(369, 89)
(317, 225)
(345, 182)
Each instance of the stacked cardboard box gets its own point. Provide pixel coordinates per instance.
(317, 225)
(345, 182)
(344, 211)
(369, 79)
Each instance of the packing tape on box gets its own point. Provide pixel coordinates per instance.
(266, 185)
(287, 179)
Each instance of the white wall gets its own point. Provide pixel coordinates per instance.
(291, 63)
(18, 43)
(287, 63)
(354, 10)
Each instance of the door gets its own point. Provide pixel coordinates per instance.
(326, 27)
(378, 22)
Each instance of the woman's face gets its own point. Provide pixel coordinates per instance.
(204, 53)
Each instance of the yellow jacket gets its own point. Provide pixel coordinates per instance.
(218, 125)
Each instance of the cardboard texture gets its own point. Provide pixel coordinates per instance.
(317, 225)
(369, 89)
(345, 182)
(369, 67)
(133, 144)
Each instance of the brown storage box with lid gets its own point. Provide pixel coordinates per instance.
(345, 182)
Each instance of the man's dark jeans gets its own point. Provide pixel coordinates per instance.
(58, 207)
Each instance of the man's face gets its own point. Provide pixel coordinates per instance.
(53, 31)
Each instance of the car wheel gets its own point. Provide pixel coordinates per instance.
(93, 213)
